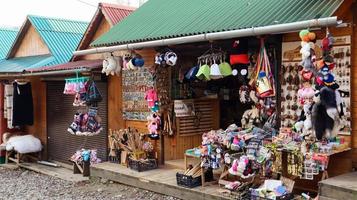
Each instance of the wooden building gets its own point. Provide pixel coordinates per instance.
(135, 29)
(57, 109)
(40, 42)
(175, 146)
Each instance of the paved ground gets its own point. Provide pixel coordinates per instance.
(22, 184)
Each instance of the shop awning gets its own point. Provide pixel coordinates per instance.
(88, 64)
(21, 64)
(162, 19)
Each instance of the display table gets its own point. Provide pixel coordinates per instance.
(325, 175)
(195, 156)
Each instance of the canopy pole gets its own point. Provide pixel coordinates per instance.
(253, 31)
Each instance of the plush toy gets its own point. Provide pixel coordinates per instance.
(306, 93)
(307, 49)
(250, 118)
(153, 125)
(111, 65)
(325, 115)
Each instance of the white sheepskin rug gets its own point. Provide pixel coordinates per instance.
(24, 144)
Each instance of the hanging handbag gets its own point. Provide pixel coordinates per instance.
(93, 95)
(263, 85)
(262, 78)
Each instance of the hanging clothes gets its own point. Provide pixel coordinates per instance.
(22, 104)
(8, 104)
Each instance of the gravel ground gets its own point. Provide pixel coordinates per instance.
(23, 184)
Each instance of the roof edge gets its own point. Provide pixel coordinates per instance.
(117, 6)
(56, 18)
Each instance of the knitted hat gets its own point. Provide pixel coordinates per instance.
(204, 73)
(215, 72)
(191, 74)
(225, 68)
(239, 52)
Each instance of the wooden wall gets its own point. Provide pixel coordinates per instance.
(39, 128)
(31, 44)
(343, 163)
(103, 27)
(174, 147)
(354, 85)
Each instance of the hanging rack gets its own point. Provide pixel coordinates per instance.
(212, 54)
(77, 78)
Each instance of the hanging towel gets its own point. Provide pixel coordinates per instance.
(22, 104)
(8, 104)
(5, 104)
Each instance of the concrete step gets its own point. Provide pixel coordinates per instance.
(343, 187)
(161, 180)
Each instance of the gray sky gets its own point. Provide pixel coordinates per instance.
(13, 12)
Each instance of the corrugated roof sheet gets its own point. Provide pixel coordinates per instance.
(90, 64)
(160, 19)
(7, 38)
(20, 64)
(60, 35)
(115, 13)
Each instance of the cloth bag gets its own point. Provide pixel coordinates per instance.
(93, 95)
(262, 78)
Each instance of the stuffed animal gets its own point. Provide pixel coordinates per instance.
(111, 65)
(307, 49)
(305, 94)
(250, 118)
(325, 115)
(153, 125)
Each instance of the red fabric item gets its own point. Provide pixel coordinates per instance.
(151, 97)
(239, 59)
(307, 74)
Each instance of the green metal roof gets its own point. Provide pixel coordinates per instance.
(160, 19)
(7, 37)
(60, 35)
(20, 64)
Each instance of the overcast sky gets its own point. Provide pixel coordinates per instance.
(13, 12)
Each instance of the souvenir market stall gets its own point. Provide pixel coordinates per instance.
(235, 86)
(256, 152)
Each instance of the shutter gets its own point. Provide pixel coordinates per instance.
(206, 109)
(61, 144)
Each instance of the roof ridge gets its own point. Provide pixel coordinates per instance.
(57, 18)
(4, 28)
(118, 6)
(47, 30)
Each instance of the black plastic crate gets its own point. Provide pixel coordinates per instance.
(141, 166)
(190, 182)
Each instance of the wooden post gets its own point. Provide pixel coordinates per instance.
(86, 168)
(76, 169)
(162, 149)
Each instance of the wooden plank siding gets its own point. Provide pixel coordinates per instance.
(39, 128)
(104, 27)
(354, 86)
(31, 44)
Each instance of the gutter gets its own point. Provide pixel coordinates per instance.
(28, 74)
(254, 31)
